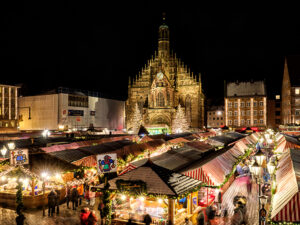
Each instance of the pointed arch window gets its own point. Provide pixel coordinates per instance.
(188, 108)
(160, 101)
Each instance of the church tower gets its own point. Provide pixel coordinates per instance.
(163, 84)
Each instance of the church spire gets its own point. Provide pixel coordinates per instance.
(163, 39)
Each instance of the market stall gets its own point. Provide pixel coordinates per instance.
(150, 189)
(286, 201)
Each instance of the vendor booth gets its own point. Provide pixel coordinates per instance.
(286, 201)
(150, 189)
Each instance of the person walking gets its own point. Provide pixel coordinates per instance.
(57, 201)
(92, 219)
(51, 202)
(68, 195)
(80, 193)
(147, 219)
(92, 196)
(84, 216)
(200, 218)
(74, 198)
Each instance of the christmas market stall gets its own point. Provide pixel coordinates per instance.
(43, 174)
(286, 201)
(154, 190)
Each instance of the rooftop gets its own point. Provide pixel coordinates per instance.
(245, 88)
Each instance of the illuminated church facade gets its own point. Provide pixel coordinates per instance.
(163, 84)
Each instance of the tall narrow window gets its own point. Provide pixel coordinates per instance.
(188, 108)
(160, 100)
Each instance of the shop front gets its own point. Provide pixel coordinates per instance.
(150, 189)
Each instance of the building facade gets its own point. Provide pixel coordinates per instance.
(215, 117)
(274, 112)
(291, 91)
(163, 84)
(8, 108)
(69, 109)
(246, 104)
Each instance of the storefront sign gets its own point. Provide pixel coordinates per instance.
(107, 163)
(19, 157)
(75, 112)
(132, 186)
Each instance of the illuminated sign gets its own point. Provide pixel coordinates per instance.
(19, 157)
(72, 112)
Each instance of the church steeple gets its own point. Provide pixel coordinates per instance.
(163, 39)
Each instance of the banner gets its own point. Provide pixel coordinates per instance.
(107, 163)
(19, 157)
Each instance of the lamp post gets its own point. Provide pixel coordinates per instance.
(263, 211)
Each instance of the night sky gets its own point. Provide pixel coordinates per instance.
(97, 47)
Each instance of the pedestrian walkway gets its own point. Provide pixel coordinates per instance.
(239, 187)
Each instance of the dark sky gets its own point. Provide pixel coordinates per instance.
(97, 47)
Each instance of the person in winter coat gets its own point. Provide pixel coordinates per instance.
(84, 214)
(201, 218)
(92, 219)
(68, 195)
(74, 197)
(92, 196)
(147, 219)
(57, 201)
(51, 202)
(80, 193)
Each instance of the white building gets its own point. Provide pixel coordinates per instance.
(70, 109)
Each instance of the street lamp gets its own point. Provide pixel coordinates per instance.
(260, 157)
(263, 211)
(11, 145)
(3, 150)
(271, 168)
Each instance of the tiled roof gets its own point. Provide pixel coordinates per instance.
(245, 88)
(159, 180)
(295, 156)
(70, 155)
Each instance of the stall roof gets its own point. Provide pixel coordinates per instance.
(295, 156)
(292, 139)
(180, 159)
(106, 147)
(43, 162)
(70, 155)
(159, 180)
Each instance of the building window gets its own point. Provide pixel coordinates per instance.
(230, 122)
(254, 103)
(248, 122)
(235, 122)
(243, 113)
(248, 104)
(261, 112)
(242, 104)
(235, 113)
(242, 122)
(78, 101)
(230, 113)
(277, 97)
(210, 113)
(214, 118)
(297, 112)
(254, 112)
(248, 112)
(255, 121)
(261, 103)
(221, 118)
(229, 104)
(235, 105)
(160, 100)
(277, 113)
(217, 118)
(261, 121)
(277, 121)
(297, 91)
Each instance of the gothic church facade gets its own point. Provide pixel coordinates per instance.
(161, 86)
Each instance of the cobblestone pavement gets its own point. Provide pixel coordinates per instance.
(35, 217)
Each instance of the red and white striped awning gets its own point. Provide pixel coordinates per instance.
(290, 212)
(127, 169)
(199, 174)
